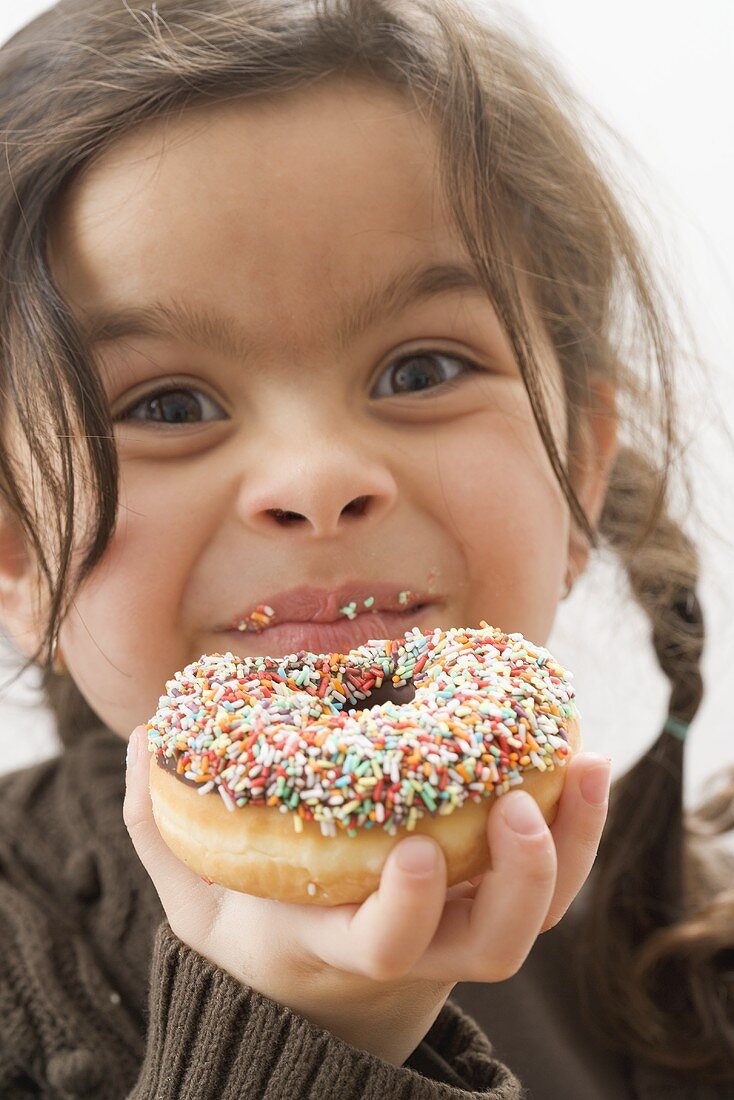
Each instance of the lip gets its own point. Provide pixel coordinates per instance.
(325, 637)
(321, 620)
(306, 604)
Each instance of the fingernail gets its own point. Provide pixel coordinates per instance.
(522, 814)
(417, 856)
(595, 784)
(132, 749)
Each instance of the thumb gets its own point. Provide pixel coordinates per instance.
(183, 893)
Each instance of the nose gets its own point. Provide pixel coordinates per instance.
(320, 488)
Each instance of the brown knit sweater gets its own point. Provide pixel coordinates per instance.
(99, 998)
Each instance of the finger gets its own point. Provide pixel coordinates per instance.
(488, 938)
(184, 894)
(576, 832)
(577, 828)
(385, 936)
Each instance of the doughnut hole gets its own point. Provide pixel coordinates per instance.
(387, 692)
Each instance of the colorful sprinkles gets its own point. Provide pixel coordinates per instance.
(257, 620)
(350, 608)
(298, 733)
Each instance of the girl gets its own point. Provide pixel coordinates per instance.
(230, 233)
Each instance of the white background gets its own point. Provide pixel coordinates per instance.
(662, 73)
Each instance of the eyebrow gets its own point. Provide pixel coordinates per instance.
(209, 327)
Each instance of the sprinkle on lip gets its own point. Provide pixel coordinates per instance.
(262, 616)
(257, 620)
(350, 609)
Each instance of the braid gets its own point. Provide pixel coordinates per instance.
(652, 968)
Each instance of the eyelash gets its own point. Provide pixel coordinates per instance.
(443, 387)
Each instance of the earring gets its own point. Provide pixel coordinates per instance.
(58, 665)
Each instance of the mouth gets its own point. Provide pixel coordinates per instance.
(282, 639)
(327, 620)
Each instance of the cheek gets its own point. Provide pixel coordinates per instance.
(503, 505)
(122, 639)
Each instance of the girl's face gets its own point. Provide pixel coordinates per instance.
(318, 432)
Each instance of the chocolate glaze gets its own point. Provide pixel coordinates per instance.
(170, 763)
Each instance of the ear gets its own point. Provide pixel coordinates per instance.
(592, 465)
(19, 586)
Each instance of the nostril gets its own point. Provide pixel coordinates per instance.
(357, 507)
(283, 516)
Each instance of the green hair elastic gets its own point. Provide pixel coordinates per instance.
(678, 729)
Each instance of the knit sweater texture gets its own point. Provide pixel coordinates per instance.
(99, 998)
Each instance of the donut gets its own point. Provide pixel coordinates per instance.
(293, 777)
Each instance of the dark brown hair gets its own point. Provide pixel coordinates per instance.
(522, 178)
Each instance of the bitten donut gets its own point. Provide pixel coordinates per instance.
(292, 778)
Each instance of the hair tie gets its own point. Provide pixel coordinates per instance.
(678, 729)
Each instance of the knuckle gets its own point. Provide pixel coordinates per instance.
(580, 856)
(133, 814)
(490, 965)
(512, 964)
(540, 874)
(195, 920)
(537, 860)
(131, 819)
(136, 825)
(589, 846)
(499, 970)
(552, 920)
(146, 850)
(382, 968)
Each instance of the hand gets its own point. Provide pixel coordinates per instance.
(378, 974)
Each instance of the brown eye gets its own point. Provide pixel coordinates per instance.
(174, 406)
(423, 370)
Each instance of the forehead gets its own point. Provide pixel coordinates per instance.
(271, 202)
